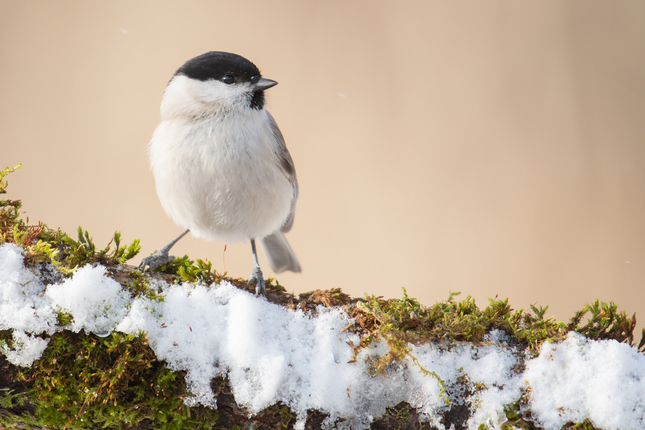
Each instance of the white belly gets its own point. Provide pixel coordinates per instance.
(222, 181)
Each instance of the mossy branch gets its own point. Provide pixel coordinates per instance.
(84, 381)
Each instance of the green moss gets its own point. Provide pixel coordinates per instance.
(194, 271)
(516, 420)
(405, 321)
(10, 400)
(64, 318)
(286, 417)
(399, 415)
(9, 209)
(84, 382)
(282, 413)
(585, 425)
(83, 251)
(605, 322)
(139, 286)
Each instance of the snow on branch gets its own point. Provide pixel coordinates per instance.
(318, 359)
(88, 342)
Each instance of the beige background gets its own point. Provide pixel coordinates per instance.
(492, 148)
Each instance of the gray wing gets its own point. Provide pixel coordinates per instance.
(289, 171)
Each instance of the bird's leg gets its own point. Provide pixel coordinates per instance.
(160, 257)
(256, 274)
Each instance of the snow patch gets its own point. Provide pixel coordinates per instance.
(96, 301)
(26, 348)
(603, 381)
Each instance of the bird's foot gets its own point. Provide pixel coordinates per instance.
(257, 278)
(160, 257)
(156, 260)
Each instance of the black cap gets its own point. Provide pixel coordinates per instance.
(216, 65)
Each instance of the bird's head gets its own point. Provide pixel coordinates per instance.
(215, 82)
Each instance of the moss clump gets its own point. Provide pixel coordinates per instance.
(67, 254)
(585, 425)
(408, 320)
(405, 321)
(83, 381)
(519, 420)
(516, 419)
(188, 270)
(605, 322)
(9, 209)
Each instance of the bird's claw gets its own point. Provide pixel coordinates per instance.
(257, 278)
(155, 260)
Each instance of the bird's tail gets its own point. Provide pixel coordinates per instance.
(280, 255)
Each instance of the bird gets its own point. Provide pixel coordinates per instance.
(221, 167)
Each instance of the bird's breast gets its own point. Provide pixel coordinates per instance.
(220, 177)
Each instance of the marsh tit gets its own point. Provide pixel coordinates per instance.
(221, 166)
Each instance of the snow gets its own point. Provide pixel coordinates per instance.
(96, 301)
(577, 379)
(26, 348)
(21, 306)
(272, 354)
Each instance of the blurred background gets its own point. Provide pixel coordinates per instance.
(493, 148)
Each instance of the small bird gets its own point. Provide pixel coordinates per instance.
(221, 167)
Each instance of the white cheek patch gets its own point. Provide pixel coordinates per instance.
(212, 91)
(189, 97)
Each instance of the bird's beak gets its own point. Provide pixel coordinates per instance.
(265, 84)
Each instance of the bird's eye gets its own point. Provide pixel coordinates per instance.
(255, 79)
(228, 79)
